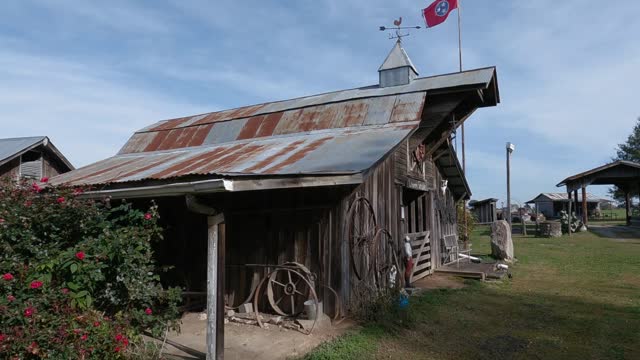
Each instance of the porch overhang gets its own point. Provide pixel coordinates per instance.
(221, 185)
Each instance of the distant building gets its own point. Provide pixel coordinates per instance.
(485, 211)
(551, 204)
(31, 158)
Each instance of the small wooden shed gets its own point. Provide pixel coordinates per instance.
(485, 211)
(334, 182)
(31, 158)
(551, 204)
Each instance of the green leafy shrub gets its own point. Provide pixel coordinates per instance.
(77, 276)
(462, 213)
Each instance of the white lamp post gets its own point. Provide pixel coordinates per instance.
(510, 148)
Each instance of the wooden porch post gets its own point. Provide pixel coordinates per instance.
(575, 200)
(585, 213)
(569, 213)
(215, 289)
(627, 200)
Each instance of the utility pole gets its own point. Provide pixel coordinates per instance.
(510, 148)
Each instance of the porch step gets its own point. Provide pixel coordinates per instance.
(463, 273)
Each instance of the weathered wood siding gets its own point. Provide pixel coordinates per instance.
(307, 226)
(444, 220)
(49, 166)
(384, 194)
(10, 170)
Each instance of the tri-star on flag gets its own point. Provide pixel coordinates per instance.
(438, 12)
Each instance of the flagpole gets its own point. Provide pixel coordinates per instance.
(459, 36)
(464, 160)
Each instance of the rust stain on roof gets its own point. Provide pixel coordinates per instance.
(185, 167)
(170, 124)
(118, 164)
(238, 113)
(354, 115)
(271, 159)
(146, 167)
(269, 124)
(157, 140)
(298, 155)
(200, 135)
(227, 163)
(250, 128)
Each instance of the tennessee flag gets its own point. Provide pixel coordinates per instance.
(438, 12)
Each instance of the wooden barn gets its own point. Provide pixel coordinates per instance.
(31, 158)
(326, 185)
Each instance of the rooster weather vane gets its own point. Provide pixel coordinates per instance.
(397, 29)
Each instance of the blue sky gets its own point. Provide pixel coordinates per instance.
(90, 73)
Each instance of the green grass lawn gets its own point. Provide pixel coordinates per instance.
(570, 298)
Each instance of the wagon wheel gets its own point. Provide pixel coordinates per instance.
(302, 270)
(287, 290)
(385, 257)
(361, 229)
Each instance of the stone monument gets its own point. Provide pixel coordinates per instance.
(501, 243)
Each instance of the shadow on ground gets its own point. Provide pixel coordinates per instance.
(617, 232)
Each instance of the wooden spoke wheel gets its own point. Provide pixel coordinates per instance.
(287, 290)
(361, 230)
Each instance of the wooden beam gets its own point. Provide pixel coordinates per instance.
(215, 297)
(585, 213)
(575, 200)
(627, 200)
(569, 213)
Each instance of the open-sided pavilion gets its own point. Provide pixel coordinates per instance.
(623, 174)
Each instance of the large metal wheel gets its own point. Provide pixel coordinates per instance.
(361, 230)
(386, 258)
(294, 274)
(287, 290)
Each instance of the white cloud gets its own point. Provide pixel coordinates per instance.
(571, 71)
(88, 112)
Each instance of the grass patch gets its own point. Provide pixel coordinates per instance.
(570, 298)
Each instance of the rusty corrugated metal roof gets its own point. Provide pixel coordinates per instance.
(342, 151)
(216, 128)
(343, 132)
(479, 77)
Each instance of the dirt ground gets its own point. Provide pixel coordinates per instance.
(242, 341)
(439, 281)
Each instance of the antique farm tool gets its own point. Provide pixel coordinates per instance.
(361, 230)
(294, 276)
(288, 288)
(386, 258)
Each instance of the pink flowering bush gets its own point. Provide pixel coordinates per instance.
(77, 277)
